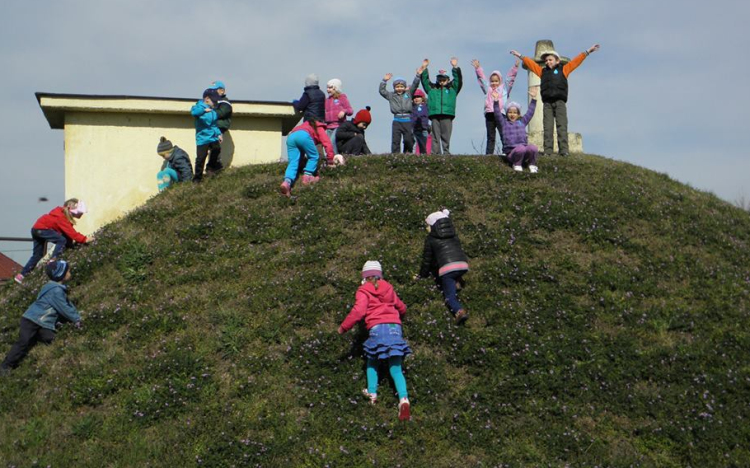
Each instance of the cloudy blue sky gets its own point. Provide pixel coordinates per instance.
(666, 90)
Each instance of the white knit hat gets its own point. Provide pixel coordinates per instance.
(335, 84)
(434, 217)
(372, 268)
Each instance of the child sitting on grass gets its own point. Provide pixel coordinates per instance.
(350, 136)
(176, 167)
(39, 322)
(378, 304)
(515, 140)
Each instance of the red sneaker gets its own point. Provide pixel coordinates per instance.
(309, 179)
(403, 410)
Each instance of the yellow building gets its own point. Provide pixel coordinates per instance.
(110, 144)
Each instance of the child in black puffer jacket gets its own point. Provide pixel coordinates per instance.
(444, 257)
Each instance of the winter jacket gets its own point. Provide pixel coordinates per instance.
(442, 250)
(348, 131)
(333, 107)
(401, 104)
(376, 305)
(180, 162)
(554, 86)
(442, 101)
(319, 136)
(51, 306)
(206, 130)
(224, 114)
(504, 88)
(311, 104)
(57, 221)
(419, 117)
(514, 133)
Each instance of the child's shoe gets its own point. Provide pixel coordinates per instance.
(404, 413)
(309, 179)
(533, 169)
(372, 396)
(518, 168)
(18, 278)
(461, 316)
(286, 189)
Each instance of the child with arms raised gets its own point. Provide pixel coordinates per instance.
(378, 304)
(513, 127)
(503, 89)
(441, 97)
(401, 105)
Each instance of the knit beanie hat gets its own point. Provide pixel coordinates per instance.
(434, 217)
(164, 145)
(372, 268)
(335, 84)
(56, 270)
(311, 80)
(513, 104)
(399, 80)
(363, 116)
(80, 208)
(419, 93)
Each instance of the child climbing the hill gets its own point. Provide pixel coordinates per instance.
(350, 137)
(554, 86)
(56, 227)
(378, 304)
(420, 120)
(401, 105)
(312, 103)
(441, 96)
(513, 127)
(39, 321)
(176, 167)
(337, 108)
(207, 135)
(300, 144)
(503, 89)
(444, 257)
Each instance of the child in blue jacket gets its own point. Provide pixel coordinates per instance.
(207, 135)
(40, 319)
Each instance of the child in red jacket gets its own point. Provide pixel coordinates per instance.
(380, 306)
(56, 227)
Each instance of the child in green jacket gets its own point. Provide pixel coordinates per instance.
(441, 96)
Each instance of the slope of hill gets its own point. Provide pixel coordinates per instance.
(609, 325)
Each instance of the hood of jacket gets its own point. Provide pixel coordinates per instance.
(443, 229)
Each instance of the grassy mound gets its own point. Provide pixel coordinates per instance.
(609, 325)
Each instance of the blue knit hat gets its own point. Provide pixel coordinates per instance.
(56, 270)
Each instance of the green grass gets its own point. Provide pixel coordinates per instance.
(609, 325)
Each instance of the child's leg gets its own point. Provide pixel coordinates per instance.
(394, 365)
(421, 137)
(37, 253)
(372, 375)
(331, 132)
(27, 338)
(293, 156)
(436, 136)
(489, 122)
(516, 155)
(448, 282)
(201, 153)
(308, 146)
(561, 117)
(408, 137)
(530, 154)
(445, 134)
(548, 121)
(214, 161)
(395, 137)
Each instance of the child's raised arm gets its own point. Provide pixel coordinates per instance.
(530, 63)
(382, 89)
(425, 74)
(533, 92)
(480, 75)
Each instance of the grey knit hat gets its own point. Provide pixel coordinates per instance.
(164, 145)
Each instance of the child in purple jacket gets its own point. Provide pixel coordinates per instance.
(420, 120)
(513, 126)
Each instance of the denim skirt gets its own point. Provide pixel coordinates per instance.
(386, 340)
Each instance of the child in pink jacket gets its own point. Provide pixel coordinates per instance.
(300, 144)
(378, 304)
(337, 108)
(503, 89)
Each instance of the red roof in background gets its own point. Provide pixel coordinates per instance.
(8, 268)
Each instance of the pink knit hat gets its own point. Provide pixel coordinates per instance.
(372, 268)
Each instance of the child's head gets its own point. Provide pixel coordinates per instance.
(434, 217)
(399, 85)
(419, 97)
(210, 96)
(496, 78)
(58, 270)
(334, 87)
(220, 88)
(74, 209)
(372, 272)
(362, 119)
(551, 58)
(311, 80)
(164, 148)
(442, 78)
(513, 111)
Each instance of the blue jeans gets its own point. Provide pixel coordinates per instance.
(40, 238)
(297, 144)
(331, 132)
(448, 282)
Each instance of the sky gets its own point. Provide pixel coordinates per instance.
(665, 91)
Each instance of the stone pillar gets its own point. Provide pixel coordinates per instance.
(536, 130)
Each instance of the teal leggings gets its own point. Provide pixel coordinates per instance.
(394, 365)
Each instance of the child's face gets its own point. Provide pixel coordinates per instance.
(442, 82)
(67, 277)
(418, 100)
(165, 154)
(428, 227)
(207, 101)
(513, 114)
(222, 92)
(331, 90)
(399, 88)
(362, 125)
(551, 61)
(494, 81)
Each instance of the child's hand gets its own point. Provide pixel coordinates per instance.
(420, 70)
(221, 138)
(341, 331)
(515, 52)
(417, 277)
(518, 62)
(533, 91)
(454, 62)
(425, 63)
(78, 325)
(342, 115)
(208, 109)
(475, 62)
(495, 96)
(387, 76)
(593, 48)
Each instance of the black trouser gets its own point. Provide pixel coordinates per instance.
(555, 113)
(399, 130)
(214, 164)
(30, 334)
(355, 145)
(492, 129)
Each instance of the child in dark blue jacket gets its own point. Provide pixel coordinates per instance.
(40, 319)
(312, 103)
